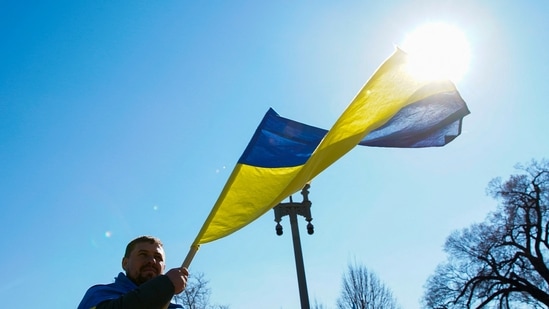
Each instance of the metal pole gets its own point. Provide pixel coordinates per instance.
(300, 268)
(292, 210)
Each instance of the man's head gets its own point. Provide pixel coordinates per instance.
(143, 259)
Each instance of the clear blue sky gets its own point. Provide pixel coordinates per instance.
(125, 118)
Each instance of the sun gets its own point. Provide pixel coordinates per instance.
(438, 51)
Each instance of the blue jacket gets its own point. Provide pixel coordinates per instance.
(124, 294)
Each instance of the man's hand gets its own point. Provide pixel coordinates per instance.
(179, 277)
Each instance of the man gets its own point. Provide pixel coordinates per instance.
(143, 286)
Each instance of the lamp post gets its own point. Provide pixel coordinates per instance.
(293, 210)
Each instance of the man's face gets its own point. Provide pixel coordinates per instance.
(145, 262)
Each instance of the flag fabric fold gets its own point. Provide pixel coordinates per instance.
(432, 122)
(276, 152)
(393, 109)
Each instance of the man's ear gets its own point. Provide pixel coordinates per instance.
(125, 263)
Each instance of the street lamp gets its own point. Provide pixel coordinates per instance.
(292, 209)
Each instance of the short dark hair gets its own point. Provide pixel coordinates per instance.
(141, 239)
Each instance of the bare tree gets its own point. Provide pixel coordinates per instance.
(318, 305)
(501, 262)
(197, 294)
(362, 289)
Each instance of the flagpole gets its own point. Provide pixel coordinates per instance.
(293, 210)
(190, 256)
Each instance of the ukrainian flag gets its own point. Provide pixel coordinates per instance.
(393, 109)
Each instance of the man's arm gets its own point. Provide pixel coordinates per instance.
(153, 294)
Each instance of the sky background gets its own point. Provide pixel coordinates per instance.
(125, 118)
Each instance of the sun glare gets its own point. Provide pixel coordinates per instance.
(437, 51)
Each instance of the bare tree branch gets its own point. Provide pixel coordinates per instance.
(502, 261)
(362, 289)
